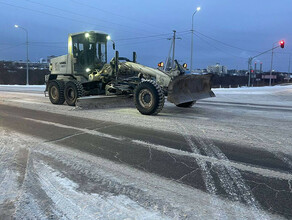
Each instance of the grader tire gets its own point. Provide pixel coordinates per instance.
(149, 98)
(56, 92)
(73, 91)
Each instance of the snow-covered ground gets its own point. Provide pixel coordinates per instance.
(23, 88)
(38, 178)
(234, 112)
(33, 180)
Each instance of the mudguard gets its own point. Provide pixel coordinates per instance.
(188, 88)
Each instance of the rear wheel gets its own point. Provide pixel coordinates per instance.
(149, 98)
(56, 92)
(73, 91)
(186, 104)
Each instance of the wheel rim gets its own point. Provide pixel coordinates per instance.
(54, 92)
(71, 94)
(146, 98)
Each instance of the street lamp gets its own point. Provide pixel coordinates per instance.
(27, 74)
(271, 70)
(192, 41)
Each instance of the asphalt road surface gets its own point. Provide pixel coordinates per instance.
(235, 153)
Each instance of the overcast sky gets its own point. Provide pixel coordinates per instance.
(232, 30)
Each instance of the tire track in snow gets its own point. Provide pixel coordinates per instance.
(207, 177)
(230, 178)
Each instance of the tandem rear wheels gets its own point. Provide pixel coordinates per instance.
(59, 92)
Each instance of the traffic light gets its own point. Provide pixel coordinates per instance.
(282, 44)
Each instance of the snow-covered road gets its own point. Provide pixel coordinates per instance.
(229, 157)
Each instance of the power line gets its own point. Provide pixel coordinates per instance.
(150, 36)
(124, 39)
(54, 15)
(7, 48)
(142, 37)
(44, 45)
(229, 45)
(47, 42)
(109, 12)
(133, 43)
(81, 15)
(211, 45)
(60, 16)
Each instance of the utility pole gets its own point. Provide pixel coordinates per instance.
(173, 49)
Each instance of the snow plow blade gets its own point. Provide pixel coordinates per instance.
(104, 101)
(188, 88)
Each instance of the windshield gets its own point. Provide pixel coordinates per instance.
(90, 52)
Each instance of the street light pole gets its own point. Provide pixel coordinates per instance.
(272, 58)
(251, 58)
(289, 64)
(27, 70)
(249, 70)
(192, 40)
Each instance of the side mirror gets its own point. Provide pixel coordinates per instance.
(114, 46)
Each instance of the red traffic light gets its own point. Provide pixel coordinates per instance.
(282, 44)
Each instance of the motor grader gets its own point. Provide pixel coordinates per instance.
(84, 71)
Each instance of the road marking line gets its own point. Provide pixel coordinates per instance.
(87, 131)
(261, 171)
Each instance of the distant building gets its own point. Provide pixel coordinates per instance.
(13, 65)
(217, 69)
(200, 71)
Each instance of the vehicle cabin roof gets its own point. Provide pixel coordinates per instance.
(90, 32)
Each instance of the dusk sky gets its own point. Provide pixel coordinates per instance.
(226, 31)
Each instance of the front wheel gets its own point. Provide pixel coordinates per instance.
(149, 98)
(73, 91)
(186, 104)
